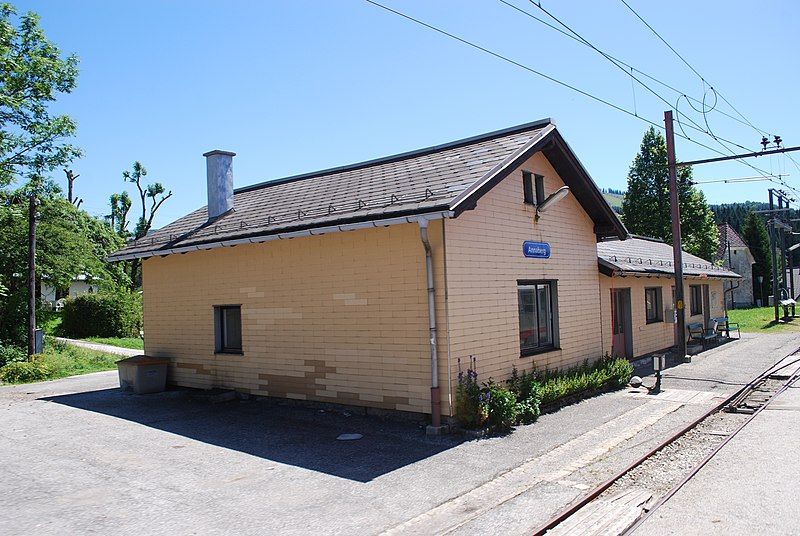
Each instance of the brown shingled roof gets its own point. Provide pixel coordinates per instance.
(648, 256)
(728, 234)
(448, 178)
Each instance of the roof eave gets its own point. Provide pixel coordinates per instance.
(285, 233)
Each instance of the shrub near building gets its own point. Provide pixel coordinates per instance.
(116, 314)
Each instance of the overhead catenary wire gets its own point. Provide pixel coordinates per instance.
(628, 65)
(754, 178)
(539, 73)
(694, 125)
(691, 67)
(565, 84)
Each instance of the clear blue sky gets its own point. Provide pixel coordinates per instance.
(297, 86)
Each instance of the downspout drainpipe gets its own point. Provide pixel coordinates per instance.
(436, 398)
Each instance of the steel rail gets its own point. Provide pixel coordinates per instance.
(696, 469)
(566, 513)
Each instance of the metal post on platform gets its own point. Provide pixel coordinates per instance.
(774, 253)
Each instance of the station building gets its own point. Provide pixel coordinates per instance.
(367, 284)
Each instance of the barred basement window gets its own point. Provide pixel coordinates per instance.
(653, 304)
(538, 316)
(228, 329)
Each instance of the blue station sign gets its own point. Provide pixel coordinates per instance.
(536, 250)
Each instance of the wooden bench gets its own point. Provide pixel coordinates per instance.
(725, 326)
(697, 332)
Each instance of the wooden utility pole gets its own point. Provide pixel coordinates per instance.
(31, 274)
(677, 252)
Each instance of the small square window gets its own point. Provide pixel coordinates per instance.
(228, 329)
(653, 304)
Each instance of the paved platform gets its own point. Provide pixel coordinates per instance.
(79, 456)
(750, 487)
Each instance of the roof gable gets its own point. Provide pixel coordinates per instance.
(450, 178)
(728, 235)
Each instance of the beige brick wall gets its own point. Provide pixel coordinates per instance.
(339, 317)
(658, 335)
(485, 260)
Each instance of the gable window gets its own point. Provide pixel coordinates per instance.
(527, 188)
(653, 304)
(228, 329)
(696, 301)
(538, 316)
(539, 184)
(532, 188)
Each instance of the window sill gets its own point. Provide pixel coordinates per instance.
(537, 351)
(654, 321)
(228, 352)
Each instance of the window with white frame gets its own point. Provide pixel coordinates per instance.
(538, 316)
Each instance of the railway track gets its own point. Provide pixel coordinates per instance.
(621, 504)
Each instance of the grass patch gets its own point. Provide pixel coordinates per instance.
(760, 320)
(135, 343)
(49, 321)
(58, 360)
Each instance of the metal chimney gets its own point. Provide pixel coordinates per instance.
(219, 178)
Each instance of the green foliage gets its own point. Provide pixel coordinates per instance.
(468, 408)
(734, 214)
(588, 377)
(57, 361)
(32, 75)
(646, 206)
(755, 235)
(26, 371)
(527, 411)
(12, 354)
(116, 314)
(501, 406)
(120, 206)
(69, 242)
(157, 195)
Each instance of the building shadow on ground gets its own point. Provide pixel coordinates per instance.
(298, 436)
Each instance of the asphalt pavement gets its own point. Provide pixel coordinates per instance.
(80, 456)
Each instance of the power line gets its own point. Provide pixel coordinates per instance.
(628, 65)
(755, 178)
(656, 94)
(550, 78)
(690, 67)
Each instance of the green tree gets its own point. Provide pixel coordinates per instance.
(69, 242)
(755, 235)
(646, 207)
(32, 74)
(157, 195)
(120, 206)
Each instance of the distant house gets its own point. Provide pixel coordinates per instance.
(372, 284)
(735, 255)
(79, 286)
